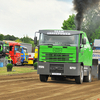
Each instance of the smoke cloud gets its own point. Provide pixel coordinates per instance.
(81, 6)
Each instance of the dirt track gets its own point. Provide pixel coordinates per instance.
(29, 87)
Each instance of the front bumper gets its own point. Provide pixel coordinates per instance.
(68, 69)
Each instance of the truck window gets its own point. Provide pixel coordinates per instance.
(7, 49)
(17, 48)
(25, 51)
(71, 40)
(20, 50)
(10, 48)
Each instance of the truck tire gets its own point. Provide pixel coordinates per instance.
(79, 79)
(43, 78)
(88, 77)
(53, 78)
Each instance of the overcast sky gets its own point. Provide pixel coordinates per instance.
(24, 17)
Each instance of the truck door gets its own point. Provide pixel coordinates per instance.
(81, 49)
(17, 55)
(88, 53)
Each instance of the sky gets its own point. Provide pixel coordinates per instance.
(25, 17)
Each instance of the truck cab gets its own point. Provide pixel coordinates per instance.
(4, 48)
(36, 54)
(24, 55)
(15, 53)
(4, 52)
(64, 53)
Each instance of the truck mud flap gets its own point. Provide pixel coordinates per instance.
(96, 69)
(94, 61)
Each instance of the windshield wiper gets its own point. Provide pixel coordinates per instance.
(66, 44)
(46, 44)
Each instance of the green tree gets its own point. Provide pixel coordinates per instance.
(10, 37)
(95, 35)
(18, 40)
(1, 37)
(91, 24)
(32, 42)
(26, 39)
(69, 23)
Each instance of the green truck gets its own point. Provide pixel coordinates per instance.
(4, 48)
(4, 53)
(64, 54)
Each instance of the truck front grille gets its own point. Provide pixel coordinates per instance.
(56, 68)
(57, 56)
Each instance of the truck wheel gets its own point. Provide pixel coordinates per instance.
(22, 64)
(53, 78)
(88, 77)
(43, 78)
(79, 79)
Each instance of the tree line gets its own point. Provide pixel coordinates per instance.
(25, 39)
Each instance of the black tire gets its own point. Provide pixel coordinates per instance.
(15, 64)
(53, 78)
(22, 64)
(88, 78)
(79, 79)
(11, 62)
(43, 78)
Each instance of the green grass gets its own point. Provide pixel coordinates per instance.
(16, 70)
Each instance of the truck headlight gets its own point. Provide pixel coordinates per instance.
(72, 67)
(40, 66)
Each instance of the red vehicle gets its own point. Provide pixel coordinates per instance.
(15, 53)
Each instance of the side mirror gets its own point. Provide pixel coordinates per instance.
(35, 40)
(81, 45)
(84, 41)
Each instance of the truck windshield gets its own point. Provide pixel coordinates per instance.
(25, 50)
(70, 40)
(17, 48)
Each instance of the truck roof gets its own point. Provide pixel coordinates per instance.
(62, 32)
(14, 43)
(23, 47)
(1, 42)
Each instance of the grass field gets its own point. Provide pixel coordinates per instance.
(16, 70)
